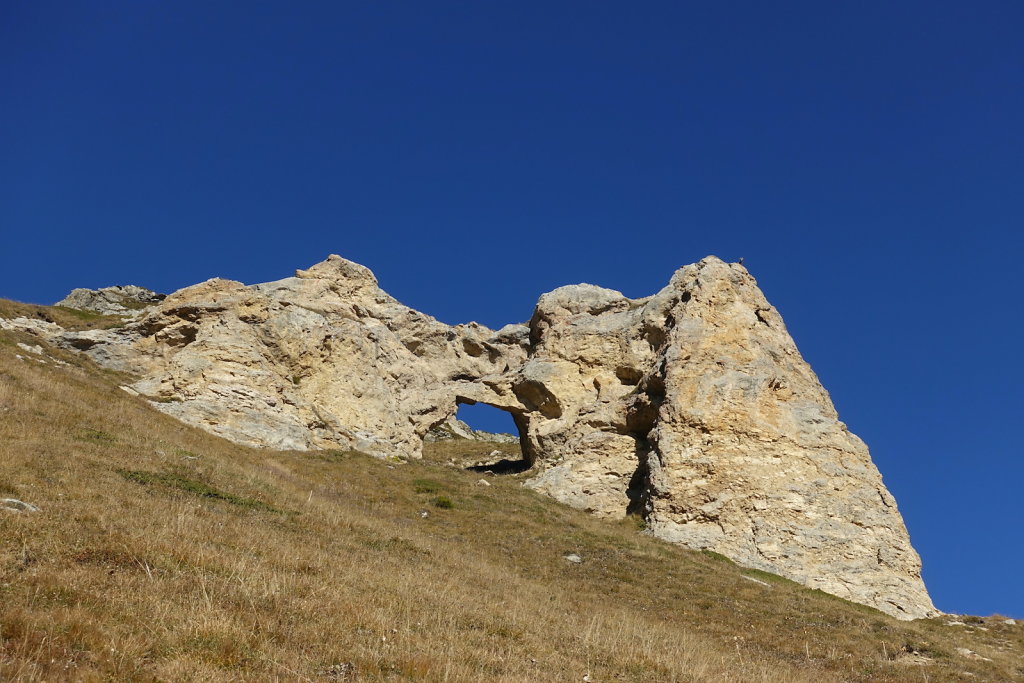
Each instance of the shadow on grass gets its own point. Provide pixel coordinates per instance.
(503, 466)
(195, 487)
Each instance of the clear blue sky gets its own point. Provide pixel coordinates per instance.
(867, 160)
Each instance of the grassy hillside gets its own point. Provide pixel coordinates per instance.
(68, 318)
(160, 552)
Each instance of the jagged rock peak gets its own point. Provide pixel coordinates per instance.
(692, 407)
(337, 268)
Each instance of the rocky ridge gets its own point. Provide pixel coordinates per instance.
(691, 407)
(116, 300)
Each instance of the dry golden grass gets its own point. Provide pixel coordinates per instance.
(68, 318)
(163, 553)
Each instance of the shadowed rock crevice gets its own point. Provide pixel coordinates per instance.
(691, 407)
(638, 490)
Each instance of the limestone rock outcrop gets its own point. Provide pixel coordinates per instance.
(694, 408)
(116, 300)
(691, 407)
(324, 359)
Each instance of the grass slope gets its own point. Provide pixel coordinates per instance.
(163, 553)
(68, 318)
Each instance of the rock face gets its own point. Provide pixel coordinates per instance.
(325, 359)
(117, 300)
(692, 407)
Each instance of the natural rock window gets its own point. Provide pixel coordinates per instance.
(692, 407)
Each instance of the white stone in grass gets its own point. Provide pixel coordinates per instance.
(15, 505)
(574, 558)
(40, 328)
(970, 654)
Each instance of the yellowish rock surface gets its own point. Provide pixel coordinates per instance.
(692, 408)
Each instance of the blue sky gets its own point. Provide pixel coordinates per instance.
(867, 160)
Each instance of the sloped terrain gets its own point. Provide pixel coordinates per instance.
(692, 408)
(160, 552)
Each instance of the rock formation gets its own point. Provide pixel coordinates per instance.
(117, 300)
(692, 407)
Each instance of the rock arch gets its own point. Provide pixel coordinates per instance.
(692, 407)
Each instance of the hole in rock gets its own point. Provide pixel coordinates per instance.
(487, 418)
(493, 445)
